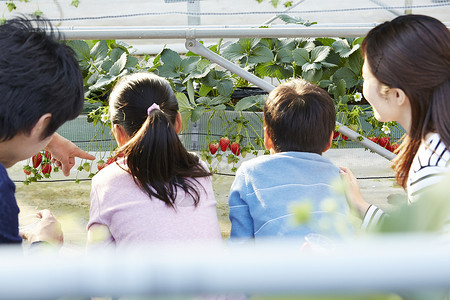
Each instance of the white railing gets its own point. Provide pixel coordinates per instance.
(388, 264)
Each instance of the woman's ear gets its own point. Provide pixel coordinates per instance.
(178, 123)
(120, 134)
(399, 96)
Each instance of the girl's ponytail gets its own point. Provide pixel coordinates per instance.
(155, 156)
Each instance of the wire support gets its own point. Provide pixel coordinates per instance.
(315, 11)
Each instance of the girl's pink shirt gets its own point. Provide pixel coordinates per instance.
(134, 218)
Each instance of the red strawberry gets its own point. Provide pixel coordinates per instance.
(335, 134)
(384, 141)
(101, 164)
(37, 159)
(224, 142)
(236, 148)
(27, 170)
(373, 139)
(213, 147)
(394, 147)
(46, 170)
(110, 160)
(345, 137)
(48, 155)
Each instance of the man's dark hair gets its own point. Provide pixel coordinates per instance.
(38, 75)
(299, 116)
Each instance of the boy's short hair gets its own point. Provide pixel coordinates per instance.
(38, 75)
(299, 116)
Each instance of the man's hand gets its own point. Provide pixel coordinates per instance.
(64, 152)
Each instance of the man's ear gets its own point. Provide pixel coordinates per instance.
(41, 125)
(120, 134)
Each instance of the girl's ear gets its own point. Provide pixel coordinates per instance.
(41, 125)
(120, 134)
(178, 123)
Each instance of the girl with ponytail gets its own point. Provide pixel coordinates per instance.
(156, 190)
(407, 79)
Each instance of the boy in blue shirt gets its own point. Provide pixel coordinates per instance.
(41, 87)
(299, 120)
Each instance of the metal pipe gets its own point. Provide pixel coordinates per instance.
(196, 47)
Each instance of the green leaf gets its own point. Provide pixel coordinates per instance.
(197, 113)
(342, 47)
(284, 56)
(319, 53)
(185, 117)
(204, 90)
(115, 54)
(215, 101)
(171, 58)
(119, 65)
(225, 87)
(313, 75)
(104, 80)
(260, 55)
(301, 56)
(131, 62)
(167, 71)
(183, 102)
(190, 91)
(234, 52)
(106, 65)
(75, 3)
(189, 64)
(274, 3)
(314, 66)
(350, 78)
(100, 51)
(11, 6)
(326, 41)
(247, 102)
(355, 62)
(210, 79)
(82, 52)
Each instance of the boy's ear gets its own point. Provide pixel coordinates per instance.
(268, 143)
(328, 146)
(120, 134)
(41, 125)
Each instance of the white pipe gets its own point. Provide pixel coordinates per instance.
(205, 32)
(385, 264)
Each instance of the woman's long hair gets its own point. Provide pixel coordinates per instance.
(412, 53)
(155, 156)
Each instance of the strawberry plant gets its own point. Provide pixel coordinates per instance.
(39, 166)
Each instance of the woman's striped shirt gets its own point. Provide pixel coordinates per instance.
(428, 168)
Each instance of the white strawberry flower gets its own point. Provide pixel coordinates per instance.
(385, 129)
(104, 118)
(358, 97)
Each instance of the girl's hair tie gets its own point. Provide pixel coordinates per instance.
(153, 107)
